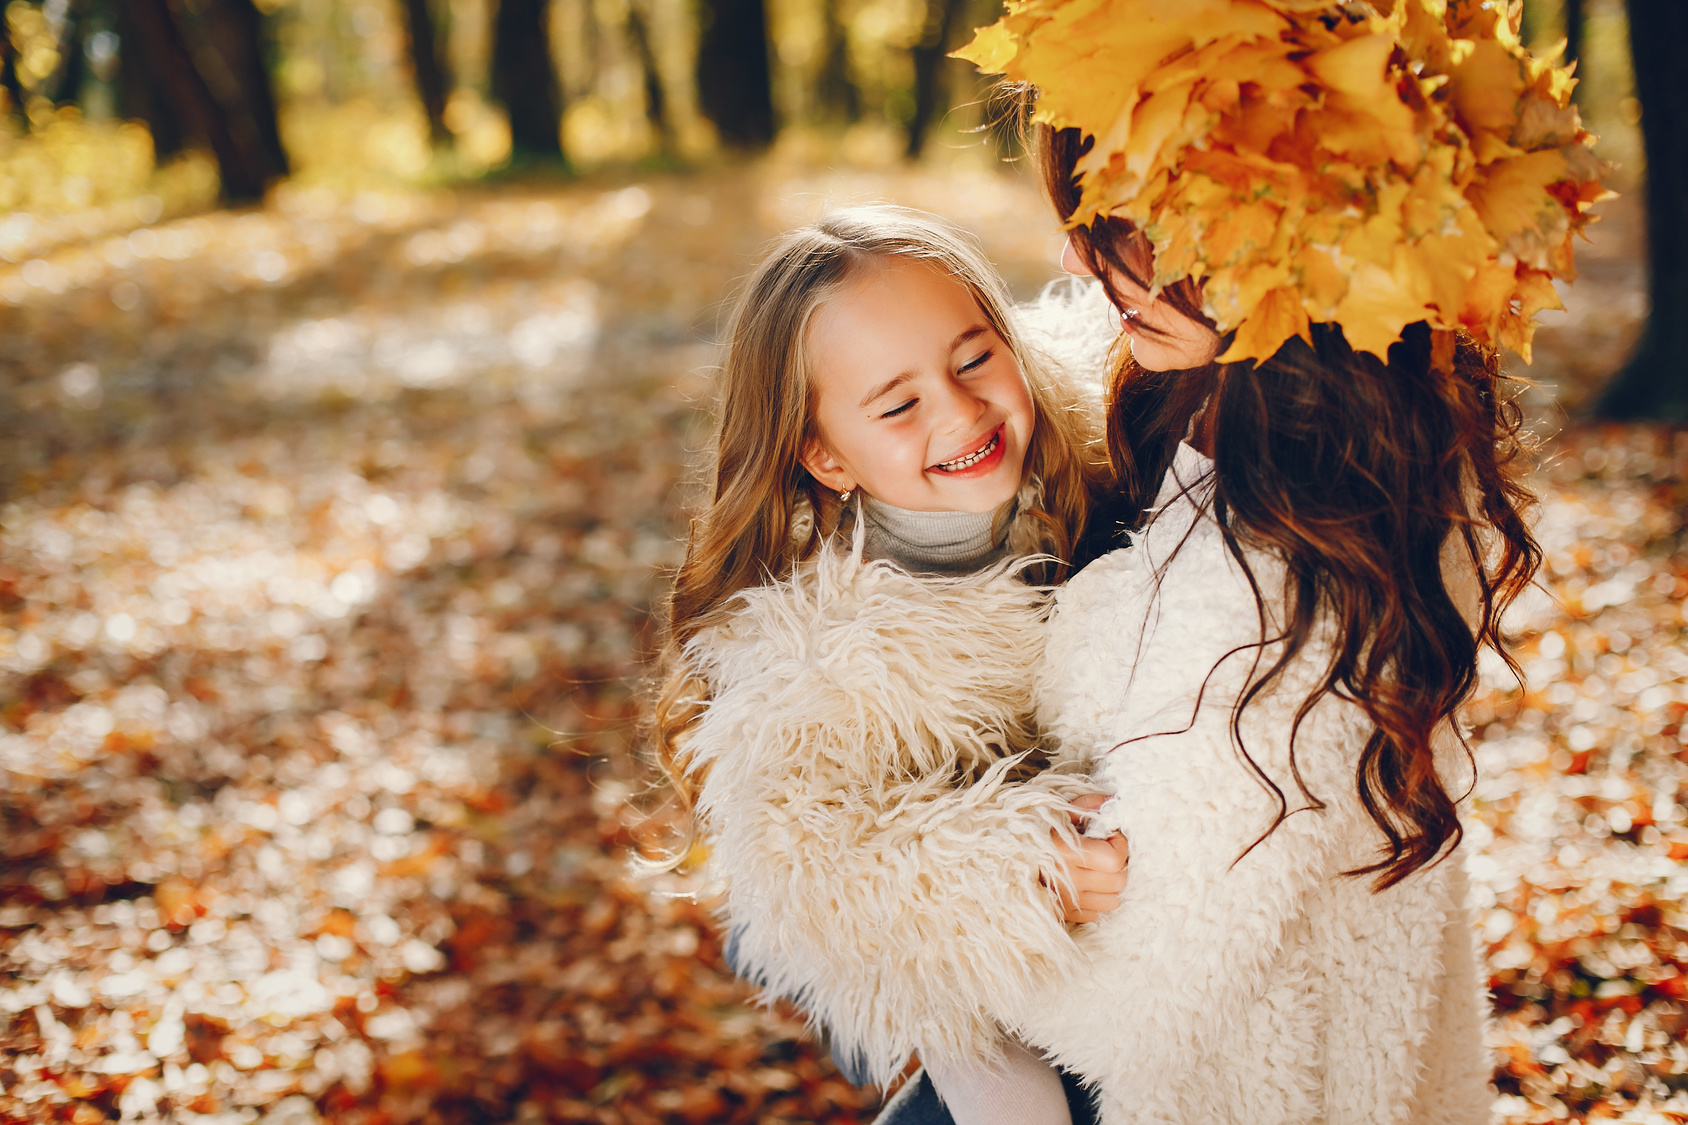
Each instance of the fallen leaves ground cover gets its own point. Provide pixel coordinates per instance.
(1579, 832)
(329, 538)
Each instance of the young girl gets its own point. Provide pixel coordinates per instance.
(849, 706)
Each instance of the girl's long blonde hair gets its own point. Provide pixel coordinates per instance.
(765, 512)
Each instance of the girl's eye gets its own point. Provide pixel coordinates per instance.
(904, 408)
(975, 364)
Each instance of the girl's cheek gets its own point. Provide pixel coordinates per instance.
(902, 447)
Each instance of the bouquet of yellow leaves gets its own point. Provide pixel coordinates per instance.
(1368, 164)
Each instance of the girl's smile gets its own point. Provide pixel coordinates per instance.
(979, 462)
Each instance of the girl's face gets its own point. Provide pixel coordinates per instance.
(1162, 338)
(918, 402)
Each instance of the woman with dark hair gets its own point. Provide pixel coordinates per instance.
(1317, 223)
(1269, 677)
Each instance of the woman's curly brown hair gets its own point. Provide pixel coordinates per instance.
(1355, 472)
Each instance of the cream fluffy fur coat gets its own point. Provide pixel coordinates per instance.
(867, 879)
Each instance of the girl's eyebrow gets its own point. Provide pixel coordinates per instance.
(886, 387)
(896, 381)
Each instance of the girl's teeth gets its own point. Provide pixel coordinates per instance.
(972, 458)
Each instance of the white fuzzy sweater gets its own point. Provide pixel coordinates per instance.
(882, 870)
(1266, 989)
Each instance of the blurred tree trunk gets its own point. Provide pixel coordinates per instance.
(656, 104)
(524, 78)
(9, 78)
(1654, 384)
(140, 92)
(181, 88)
(427, 68)
(943, 19)
(838, 96)
(1573, 30)
(65, 84)
(234, 30)
(734, 81)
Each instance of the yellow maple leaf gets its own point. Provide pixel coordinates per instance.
(1488, 297)
(1321, 281)
(1157, 119)
(1517, 333)
(1175, 239)
(1276, 318)
(1381, 302)
(1358, 68)
(1375, 239)
(1095, 54)
(992, 48)
(1240, 231)
(1536, 292)
(1243, 56)
(1485, 89)
(1513, 199)
(1450, 261)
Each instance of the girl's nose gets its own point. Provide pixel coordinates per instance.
(960, 408)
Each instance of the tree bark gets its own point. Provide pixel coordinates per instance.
(839, 99)
(427, 68)
(1654, 384)
(524, 78)
(734, 82)
(9, 78)
(65, 85)
(140, 92)
(184, 90)
(943, 19)
(656, 104)
(1574, 25)
(234, 30)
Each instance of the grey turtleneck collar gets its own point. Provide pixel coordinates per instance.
(935, 542)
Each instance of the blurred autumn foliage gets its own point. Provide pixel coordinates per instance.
(330, 541)
(331, 529)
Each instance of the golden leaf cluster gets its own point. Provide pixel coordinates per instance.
(1365, 164)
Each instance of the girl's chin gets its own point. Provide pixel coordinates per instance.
(975, 495)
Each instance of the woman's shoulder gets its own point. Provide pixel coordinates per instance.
(1152, 621)
(1178, 556)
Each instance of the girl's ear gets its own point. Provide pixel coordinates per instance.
(824, 467)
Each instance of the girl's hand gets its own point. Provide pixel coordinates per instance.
(1096, 870)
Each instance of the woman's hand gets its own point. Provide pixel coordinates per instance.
(1096, 870)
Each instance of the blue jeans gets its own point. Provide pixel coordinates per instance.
(917, 1104)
